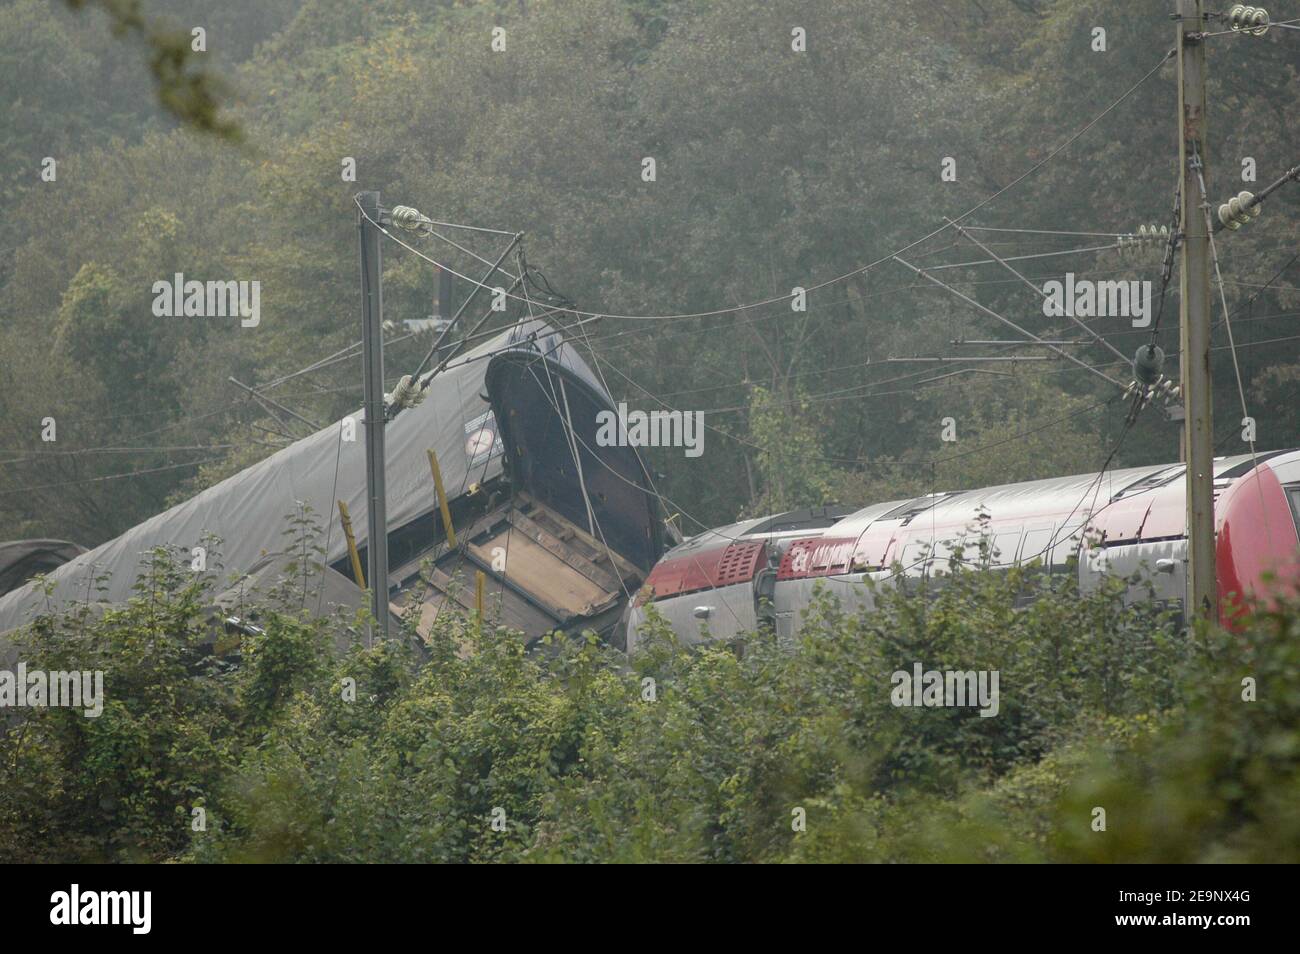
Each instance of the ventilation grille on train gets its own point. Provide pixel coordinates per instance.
(739, 562)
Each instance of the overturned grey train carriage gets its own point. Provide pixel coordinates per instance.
(565, 530)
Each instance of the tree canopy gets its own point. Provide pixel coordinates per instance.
(774, 168)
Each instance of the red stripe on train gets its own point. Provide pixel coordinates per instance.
(817, 556)
(717, 566)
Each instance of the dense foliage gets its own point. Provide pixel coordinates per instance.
(579, 754)
(774, 169)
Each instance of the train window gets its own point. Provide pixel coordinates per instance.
(1066, 549)
(946, 549)
(1293, 498)
(1034, 554)
(1036, 545)
(1002, 552)
(915, 559)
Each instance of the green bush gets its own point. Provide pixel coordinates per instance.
(480, 751)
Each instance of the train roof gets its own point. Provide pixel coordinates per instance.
(1073, 498)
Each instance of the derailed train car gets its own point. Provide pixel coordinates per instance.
(564, 529)
(1128, 523)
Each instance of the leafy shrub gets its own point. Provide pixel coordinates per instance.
(481, 751)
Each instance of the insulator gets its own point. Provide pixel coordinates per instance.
(1238, 211)
(403, 393)
(407, 218)
(1153, 235)
(407, 393)
(1247, 19)
(1146, 237)
(1147, 364)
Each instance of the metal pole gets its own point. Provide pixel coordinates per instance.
(1194, 314)
(372, 356)
(479, 579)
(1038, 289)
(457, 347)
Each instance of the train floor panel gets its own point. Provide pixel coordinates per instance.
(543, 573)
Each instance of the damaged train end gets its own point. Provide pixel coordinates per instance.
(564, 530)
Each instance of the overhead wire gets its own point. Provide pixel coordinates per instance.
(106, 477)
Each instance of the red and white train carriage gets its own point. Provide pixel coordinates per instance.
(1129, 523)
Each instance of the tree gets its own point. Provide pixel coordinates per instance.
(187, 91)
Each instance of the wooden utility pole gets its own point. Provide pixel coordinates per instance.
(372, 353)
(1194, 312)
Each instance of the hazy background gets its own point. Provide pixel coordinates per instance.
(774, 169)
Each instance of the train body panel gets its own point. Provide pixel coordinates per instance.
(721, 613)
(1257, 536)
(1128, 523)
